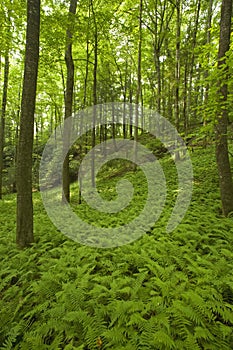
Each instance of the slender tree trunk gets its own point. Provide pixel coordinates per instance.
(156, 58)
(158, 71)
(63, 84)
(131, 101)
(16, 140)
(169, 102)
(163, 99)
(84, 102)
(125, 127)
(222, 155)
(208, 39)
(93, 136)
(139, 81)
(3, 114)
(177, 70)
(185, 117)
(52, 127)
(192, 61)
(68, 98)
(24, 231)
(87, 59)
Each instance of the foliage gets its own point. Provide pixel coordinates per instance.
(164, 291)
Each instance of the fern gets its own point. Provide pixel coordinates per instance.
(164, 291)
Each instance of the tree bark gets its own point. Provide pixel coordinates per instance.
(3, 114)
(222, 155)
(208, 41)
(84, 101)
(139, 83)
(93, 136)
(192, 61)
(68, 99)
(177, 70)
(24, 231)
(87, 59)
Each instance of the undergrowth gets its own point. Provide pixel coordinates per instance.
(164, 291)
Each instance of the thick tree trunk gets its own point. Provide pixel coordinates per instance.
(222, 156)
(24, 232)
(3, 113)
(68, 98)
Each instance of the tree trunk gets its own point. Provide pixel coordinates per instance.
(139, 84)
(177, 70)
(93, 136)
(24, 232)
(185, 116)
(222, 155)
(16, 139)
(192, 61)
(87, 59)
(158, 71)
(68, 98)
(3, 113)
(208, 40)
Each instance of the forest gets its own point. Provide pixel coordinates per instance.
(116, 187)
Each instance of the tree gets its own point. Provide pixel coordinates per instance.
(3, 113)
(222, 155)
(177, 70)
(95, 69)
(24, 231)
(6, 43)
(139, 82)
(160, 14)
(208, 41)
(68, 95)
(192, 63)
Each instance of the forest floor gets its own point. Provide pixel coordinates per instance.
(163, 291)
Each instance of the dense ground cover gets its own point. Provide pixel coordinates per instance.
(164, 291)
